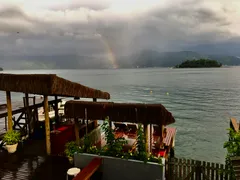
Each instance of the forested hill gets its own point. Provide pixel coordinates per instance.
(145, 58)
(149, 58)
(201, 63)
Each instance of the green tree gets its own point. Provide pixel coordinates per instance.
(233, 149)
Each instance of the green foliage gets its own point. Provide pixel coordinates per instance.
(233, 144)
(155, 159)
(206, 63)
(88, 146)
(71, 148)
(141, 144)
(114, 146)
(233, 149)
(12, 137)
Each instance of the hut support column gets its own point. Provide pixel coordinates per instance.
(86, 118)
(56, 109)
(76, 127)
(151, 137)
(9, 110)
(28, 117)
(95, 121)
(145, 126)
(47, 125)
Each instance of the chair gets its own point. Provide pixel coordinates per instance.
(120, 127)
(132, 130)
(156, 131)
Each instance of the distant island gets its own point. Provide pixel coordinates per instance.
(201, 63)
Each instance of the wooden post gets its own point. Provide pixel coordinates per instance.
(110, 123)
(35, 110)
(47, 125)
(146, 136)
(28, 116)
(86, 118)
(9, 110)
(56, 109)
(76, 127)
(95, 121)
(151, 138)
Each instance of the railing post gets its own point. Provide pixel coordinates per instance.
(170, 169)
(47, 125)
(9, 110)
(198, 170)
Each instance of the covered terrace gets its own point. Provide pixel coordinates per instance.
(146, 114)
(46, 85)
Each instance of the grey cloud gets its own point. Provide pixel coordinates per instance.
(77, 5)
(12, 12)
(191, 15)
(163, 28)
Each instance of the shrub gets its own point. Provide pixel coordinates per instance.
(12, 137)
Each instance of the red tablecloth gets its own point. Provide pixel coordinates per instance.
(59, 139)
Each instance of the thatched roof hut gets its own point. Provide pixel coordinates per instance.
(119, 112)
(47, 84)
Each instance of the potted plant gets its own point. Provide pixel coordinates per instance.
(11, 138)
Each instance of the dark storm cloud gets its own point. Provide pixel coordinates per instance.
(71, 28)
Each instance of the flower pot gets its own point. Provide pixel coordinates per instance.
(70, 159)
(12, 148)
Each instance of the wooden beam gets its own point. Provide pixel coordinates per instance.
(145, 126)
(86, 118)
(16, 123)
(89, 170)
(95, 121)
(76, 127)
(28, 116)
(47, 125)
(9, 110)
(56, 109)
(110, 123)
(151, 137)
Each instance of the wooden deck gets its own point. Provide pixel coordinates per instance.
(31, 163)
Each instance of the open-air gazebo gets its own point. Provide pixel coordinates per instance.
(46, 85)
(146, 114)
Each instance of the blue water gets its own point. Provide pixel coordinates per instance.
(201, 100)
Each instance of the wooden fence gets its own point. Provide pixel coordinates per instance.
(188, 169)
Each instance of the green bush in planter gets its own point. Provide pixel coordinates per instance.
(71, 148)
(12, 137)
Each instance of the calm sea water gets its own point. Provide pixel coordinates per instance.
(201, 100)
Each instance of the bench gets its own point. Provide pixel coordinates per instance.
(89, 170)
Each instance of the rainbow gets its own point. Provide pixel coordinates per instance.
(110, 53)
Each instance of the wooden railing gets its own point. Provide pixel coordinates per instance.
(89, 170)
(188, 169)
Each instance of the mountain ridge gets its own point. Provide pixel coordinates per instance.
(141, 59)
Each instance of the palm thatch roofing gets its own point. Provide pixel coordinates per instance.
(47, 84)
(234, 124)
(119, 112)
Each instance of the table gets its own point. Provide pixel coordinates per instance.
(60, 137)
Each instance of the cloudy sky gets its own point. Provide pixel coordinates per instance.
(93, 27)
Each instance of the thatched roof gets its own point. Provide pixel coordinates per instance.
(119, 112)
(47, 84)
(234, 124)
